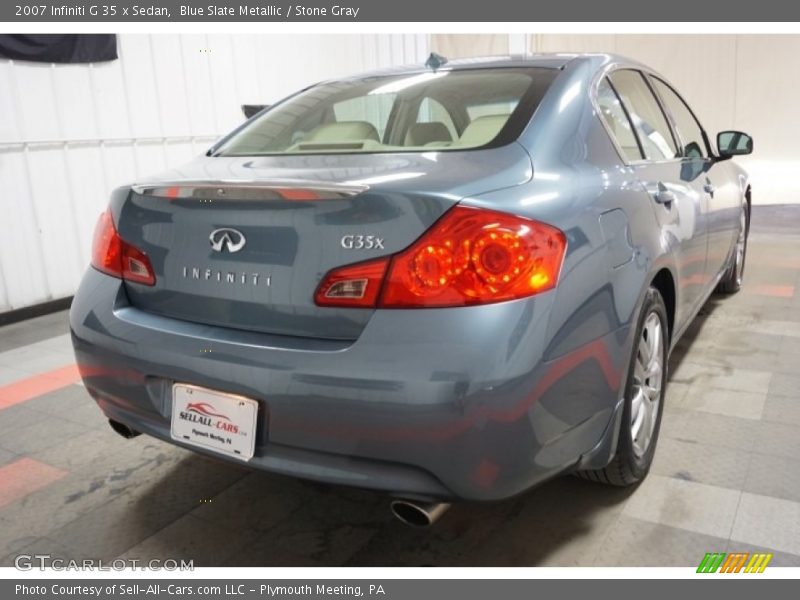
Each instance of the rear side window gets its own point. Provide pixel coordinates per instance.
(689, 130)
(648, 119)
(396, 113)
(615, 117)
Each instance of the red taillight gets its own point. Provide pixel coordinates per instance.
(107, 247)
(355, 285)
(114, 256)
(470, 256)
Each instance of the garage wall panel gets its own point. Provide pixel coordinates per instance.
(244, 60)
(178, 152)
(69, 134)
(72, 86)
(462, 45)
(170, 85)
(574, 42)
(222, 76)
(110, 107)
(56, 216)
(36, 110)
(119, 163)
(88, 182)
(767, 89)
(200, 90)
(139, 86)
(10, 124)
(21, 254)
(150, 158)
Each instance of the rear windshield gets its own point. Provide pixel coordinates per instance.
(431, 111)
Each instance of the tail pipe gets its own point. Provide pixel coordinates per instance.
(418, 514)
(123, 429)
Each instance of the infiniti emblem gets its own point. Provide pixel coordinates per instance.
(228, 239)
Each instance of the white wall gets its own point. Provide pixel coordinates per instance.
(69, 134)
(468, 45)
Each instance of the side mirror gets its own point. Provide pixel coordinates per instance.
(733, 143)
(251, 109)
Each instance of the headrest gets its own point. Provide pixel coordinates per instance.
(344, 131)
(420, 134)
(482, 130)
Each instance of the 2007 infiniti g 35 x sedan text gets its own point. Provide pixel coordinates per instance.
(443, 282)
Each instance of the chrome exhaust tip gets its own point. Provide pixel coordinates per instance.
(418, 514)
(123, 429)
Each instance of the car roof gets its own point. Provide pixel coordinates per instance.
(540, 60)
(543, 60)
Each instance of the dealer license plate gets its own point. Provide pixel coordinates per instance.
(223, 423)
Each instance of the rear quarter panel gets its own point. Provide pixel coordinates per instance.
(581, 186)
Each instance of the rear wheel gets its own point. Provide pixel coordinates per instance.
(731, 282)
(644, 398)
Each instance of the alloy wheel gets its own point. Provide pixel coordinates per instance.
(648, 377)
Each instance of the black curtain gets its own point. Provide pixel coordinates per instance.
(59, 48)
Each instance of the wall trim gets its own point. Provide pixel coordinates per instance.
(35, 310)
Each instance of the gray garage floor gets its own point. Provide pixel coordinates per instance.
(726, 476)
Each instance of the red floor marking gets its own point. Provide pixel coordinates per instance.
(25, 476)
(25, 389)
(778, 291)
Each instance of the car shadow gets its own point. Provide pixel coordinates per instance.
(684, 345)
(268, 520)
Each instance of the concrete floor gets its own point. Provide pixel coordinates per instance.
(725, 476)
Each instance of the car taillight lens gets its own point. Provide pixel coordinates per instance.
(114, 256)
(356, 285)
(470, 256)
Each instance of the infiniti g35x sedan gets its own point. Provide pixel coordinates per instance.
(445, 282)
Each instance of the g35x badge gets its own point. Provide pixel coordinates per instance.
(362, 242)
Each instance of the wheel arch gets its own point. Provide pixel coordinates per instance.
(748, 198)
(664, 282)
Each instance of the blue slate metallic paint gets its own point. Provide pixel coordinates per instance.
(476, 403)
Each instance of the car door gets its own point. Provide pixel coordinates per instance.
(721, 193)
(678, 203)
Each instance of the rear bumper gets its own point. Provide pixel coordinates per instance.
(436, 404)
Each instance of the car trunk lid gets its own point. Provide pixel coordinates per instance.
(244, 243)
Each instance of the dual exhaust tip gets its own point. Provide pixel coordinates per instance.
(410, 512)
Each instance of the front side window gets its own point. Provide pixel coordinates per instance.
(689, 129)
(648, 119)
(399, 113)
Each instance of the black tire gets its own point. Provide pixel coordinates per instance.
(631, 462)
(731, 281)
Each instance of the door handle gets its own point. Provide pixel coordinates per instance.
(709, 188)
(663, 195)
